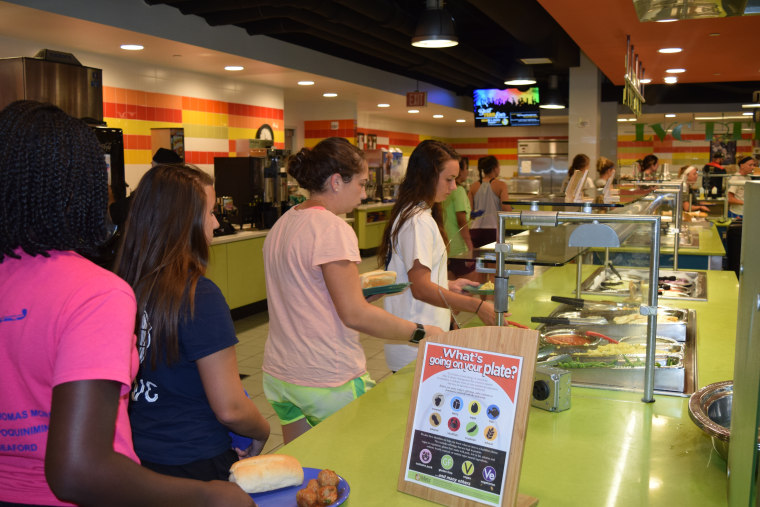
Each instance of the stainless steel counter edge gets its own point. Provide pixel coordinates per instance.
(239, 236)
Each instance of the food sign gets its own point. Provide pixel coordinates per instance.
(461, 432)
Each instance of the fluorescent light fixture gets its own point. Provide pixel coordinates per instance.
(413, 111)
(621, 120)
(461, 120)
(536, 61)
(671, 80)
(305, 83)
(383, 105)
(234, 68)
(551, 106)
(441, 116)
(667, 20)
(669, 50)
(132, 47)
(329, 94)
(646, 80)
(675, 71)
(720, 118)
(749, 106)
(632, 119)
(670, 115)
(435, 28)
(747, 114)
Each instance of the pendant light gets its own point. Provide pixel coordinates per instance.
(520, 75)
(435, 28)
(552, 99)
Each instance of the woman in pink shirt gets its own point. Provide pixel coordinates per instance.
(313, 361)
(67, 344)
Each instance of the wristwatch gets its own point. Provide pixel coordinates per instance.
(418, 334)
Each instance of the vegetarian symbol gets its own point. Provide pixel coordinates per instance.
(472, 428)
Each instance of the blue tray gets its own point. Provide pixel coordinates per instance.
(286, 497)
(393, 288)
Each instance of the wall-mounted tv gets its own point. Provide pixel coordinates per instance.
(506, 108)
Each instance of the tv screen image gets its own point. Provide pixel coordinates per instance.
(506, 108)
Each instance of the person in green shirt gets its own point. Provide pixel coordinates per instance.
(456, 213)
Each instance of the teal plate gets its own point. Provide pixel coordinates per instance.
(393, 288)
(477, 290)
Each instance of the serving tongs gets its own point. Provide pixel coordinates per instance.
(596, 305)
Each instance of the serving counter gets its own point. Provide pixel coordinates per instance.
(236, 266)
(608, 449)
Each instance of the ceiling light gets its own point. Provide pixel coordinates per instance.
(461, 120)
(632, 119)
(535, 61)
(646, 80)
(670, 115)
(520, 82)
(671, 80)
(435, 28)
(329, 94)
(749, 106)
(669, 50)
(675, 71)
(132, 47)
(441, 116)
(520, 75)
(234, 68)
(622, 119)
(305, 83)
(747, 114)
(383, 105)
(413, 111)
(719, 118)
(667, 20)
(551, 106)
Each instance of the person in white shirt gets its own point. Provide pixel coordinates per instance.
(747, 166)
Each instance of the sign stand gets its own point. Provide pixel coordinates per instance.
(468, 416)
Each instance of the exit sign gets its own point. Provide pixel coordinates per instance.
(416, 99)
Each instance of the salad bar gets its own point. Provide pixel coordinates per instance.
(632, 283)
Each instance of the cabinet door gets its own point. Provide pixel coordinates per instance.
(245, 272)
(216, 271)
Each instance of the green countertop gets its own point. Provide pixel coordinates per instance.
(710, 244)
(608, 449)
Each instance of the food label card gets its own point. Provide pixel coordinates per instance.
(469, 411)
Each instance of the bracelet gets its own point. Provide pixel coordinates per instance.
(481, 304)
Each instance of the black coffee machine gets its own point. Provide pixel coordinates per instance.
(257, 185)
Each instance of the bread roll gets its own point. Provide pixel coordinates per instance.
(265, 473)
(377, 278)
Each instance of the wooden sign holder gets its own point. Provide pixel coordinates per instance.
(574, 191)
(520, 343)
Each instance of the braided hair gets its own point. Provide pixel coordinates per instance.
(53, 182)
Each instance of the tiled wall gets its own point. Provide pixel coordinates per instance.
(211, 126)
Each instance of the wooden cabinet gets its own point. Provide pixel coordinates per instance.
(237, 267)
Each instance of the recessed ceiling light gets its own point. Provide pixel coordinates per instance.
(383, 105)
(671, 79)
(714, 34)
(305, 83)
(748, 106)
(622, 119)
(520, 82)
(675, 71)
(535, 61)
(441, 116)
(132, 47)
(669, 50)
(461, 120)
(670, 115)
(234, 68)
(329, 94)
(719, 118)
(668, 20)
(413, 111)
(646, 80)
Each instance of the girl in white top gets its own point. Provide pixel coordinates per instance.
(313, 361)
(414, 246)
(486, 200)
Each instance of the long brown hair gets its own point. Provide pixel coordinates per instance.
(165, 251)
(311, 167)
(419, 185)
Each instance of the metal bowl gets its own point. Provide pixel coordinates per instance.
(710, 409)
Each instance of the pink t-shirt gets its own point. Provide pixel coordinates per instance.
(62, 319)
(308, 344)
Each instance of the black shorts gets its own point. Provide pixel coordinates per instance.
(461, 267)
(482, 237)
(216, 468)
